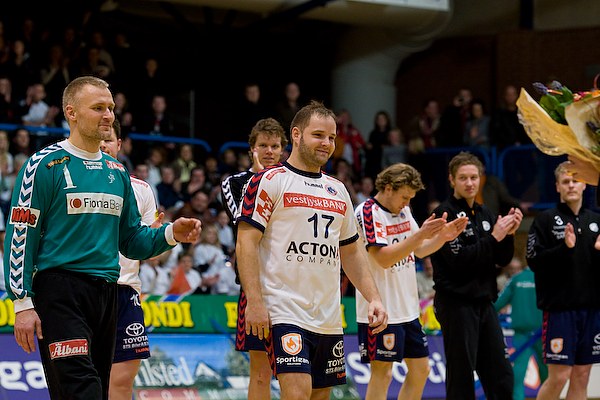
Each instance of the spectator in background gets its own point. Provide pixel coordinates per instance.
(351, 142)
(21, 143)
(454, 120)
(71, 44)
(210, 260)
(250, 110)
(7, 174)
(198, 207)
(477, 128)
(168, 190)
(342, 170)
(155, 277)
(423, 128)
(506, 130)
(55, 75)
(211, 171)
(197, 182)
(6, 158)
(122, 112)
(184, 163)
(35, 109)
(20, 69)
(286, 108)
(378, 138)
(98, 41)
(157, 121)
(526, 321)
(125, 60)
(148, 83)
(8, 106)
(395, 151)
(185, 279)
(92, 64)
(125, 154)
(425, 280)
(229, 163)
(155, 160)
(506, 273)
(365, 190)
(226, 237)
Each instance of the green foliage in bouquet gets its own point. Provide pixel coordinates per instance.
(554, 98)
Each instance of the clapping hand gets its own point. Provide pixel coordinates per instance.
(454, 228)
(518, 217)
(432, 226)
(570, 237)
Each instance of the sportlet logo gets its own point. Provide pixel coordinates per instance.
(94, 203)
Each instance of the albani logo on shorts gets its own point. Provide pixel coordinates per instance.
(94, 203)
(68, 348)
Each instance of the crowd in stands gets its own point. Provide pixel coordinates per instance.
(36, 64)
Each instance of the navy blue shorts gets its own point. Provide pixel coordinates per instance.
(243, 341)
(132, 339)
(571, 337)
(396, 342)
(293, 349)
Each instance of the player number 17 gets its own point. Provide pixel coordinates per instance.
(315, 220)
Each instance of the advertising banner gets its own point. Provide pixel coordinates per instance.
(21, 374)
(206, 366)
(186, 314)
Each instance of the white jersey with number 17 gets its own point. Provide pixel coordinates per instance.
(305, 218)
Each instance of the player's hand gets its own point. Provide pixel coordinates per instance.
(570, 237)
(256, 160)
(187, 230)
(597, 244)
(518, 218)
(378, 316)
(27, 325)
(257, 320)
(158, 222)
(432, 226)
(503, 226)
(454, 228)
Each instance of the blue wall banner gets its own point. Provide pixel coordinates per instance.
(206, 366)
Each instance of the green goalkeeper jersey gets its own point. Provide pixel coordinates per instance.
(74, 210)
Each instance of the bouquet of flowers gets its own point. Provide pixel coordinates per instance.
(563, 122)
